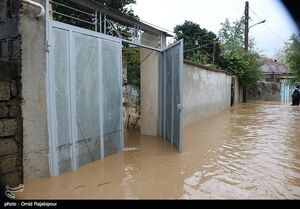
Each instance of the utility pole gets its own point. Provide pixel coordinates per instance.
(246, 26)
(246, 42)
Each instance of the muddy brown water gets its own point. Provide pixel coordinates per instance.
(250, 151)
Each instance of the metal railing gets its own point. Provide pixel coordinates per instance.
(70, 13)
(74, 14)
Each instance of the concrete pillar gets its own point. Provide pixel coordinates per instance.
(34, 109)
(150, 65)
(236, 90)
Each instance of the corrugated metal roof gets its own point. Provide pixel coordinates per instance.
(273, 67)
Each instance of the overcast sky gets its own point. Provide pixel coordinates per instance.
(269, 36)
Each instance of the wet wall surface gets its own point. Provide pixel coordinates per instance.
(251, 151)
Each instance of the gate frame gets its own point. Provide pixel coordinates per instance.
(53, 166)
(52, 132)
(162, 96)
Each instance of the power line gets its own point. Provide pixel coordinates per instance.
(161, 28)
(268, 26)
(239, 5)
(236, 6)
(197, 39)
(181, 34)
(199, 47)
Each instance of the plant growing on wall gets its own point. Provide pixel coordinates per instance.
(245, 65)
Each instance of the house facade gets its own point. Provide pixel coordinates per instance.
(274, 85)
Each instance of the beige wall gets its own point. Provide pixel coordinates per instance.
(149, 92)
(150, 66)
(206, 93)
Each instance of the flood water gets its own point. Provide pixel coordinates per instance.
(251, 151)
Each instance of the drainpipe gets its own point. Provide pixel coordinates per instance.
(35, 4)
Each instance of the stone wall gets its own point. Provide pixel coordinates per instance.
(11, 133)
(264, 91)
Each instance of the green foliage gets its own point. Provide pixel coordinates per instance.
(198, 42)
(200, 57)
(245, 65)
(233, 35)
(234, 58)
(131, 61)
(292, 51)
(120, 5)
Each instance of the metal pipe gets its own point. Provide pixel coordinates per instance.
(35, 4)
(141, 45)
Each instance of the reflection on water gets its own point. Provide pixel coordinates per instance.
(249, 151)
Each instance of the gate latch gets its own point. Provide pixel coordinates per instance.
(180, 107)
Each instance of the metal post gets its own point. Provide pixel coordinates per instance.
(161, 41)
(96, 20)
(135, 34)
(100, 20)
(139, 35)
(104, 23)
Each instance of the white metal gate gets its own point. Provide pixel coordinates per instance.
(85, 100)
(171, 101)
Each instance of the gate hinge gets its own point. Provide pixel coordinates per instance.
(47, 46)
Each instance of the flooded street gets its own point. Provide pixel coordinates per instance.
(250, 151)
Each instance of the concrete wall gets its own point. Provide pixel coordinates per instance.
(206, 92)
(35, 141)
(11, 137)
(149, 92)
(149, 67)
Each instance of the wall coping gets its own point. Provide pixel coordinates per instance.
(188, 62)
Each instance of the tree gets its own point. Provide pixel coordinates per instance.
(120, 5)
(292, 51)
(244, 64)
(131, 61)
(200, 45)
(232, 35)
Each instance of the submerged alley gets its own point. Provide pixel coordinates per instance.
(98, 104)
(248, 151)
